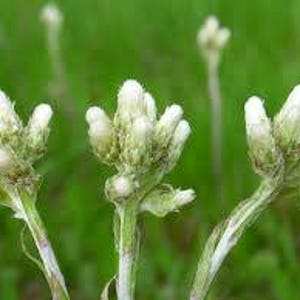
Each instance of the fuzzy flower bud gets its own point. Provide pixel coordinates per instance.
(100, 134)
(37, 129)
(131, 98)
(6, 161)
(181, 134)
(208, 31)
(223, 37)
(137, 149)
(150, 107)
(184, 197)
(286, 123)
(211, 39)
(51, 15)
(162, 201)
(94, 114)
(9, 121)
(259, 135)
(167, 124)
(40, 118)
(100, 131)
(119, 188)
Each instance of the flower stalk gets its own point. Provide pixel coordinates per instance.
(20, 147)
(227, 234)
(25, 201)
(211, 40)
(275, 156)
(127, 250)
(53, 19)
(143, 149)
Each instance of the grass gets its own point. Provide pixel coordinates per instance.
(104, 43)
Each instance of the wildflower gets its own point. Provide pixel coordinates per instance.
(100, 130)
(143, 149)
(165, 127)
(51, 16)
(181, 134)
(262, 147)
(9, 120)
(20, 147)
(212, 39)
(131, 98)
(37, 127)
(286, 122)
(119, 187)
(165, 200)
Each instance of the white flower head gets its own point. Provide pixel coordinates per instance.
(94, 114)
(150, 105)
(37, 130)
(181, 134)
(51, 15)
(184, 196)
(286, 122)
(119, 188)
(165, 200)
(138, 144)
(100, 131)
(142, 128)
(211, 39)
(41, 117)
(131, 97)
(123, 187)
(9, 121)
(167, 124)
(259, 135)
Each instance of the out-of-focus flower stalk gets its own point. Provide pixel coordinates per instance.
(211, 40)
(53, 19)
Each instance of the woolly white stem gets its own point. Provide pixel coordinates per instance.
(127, 251)
(25, 205)
(226, 235)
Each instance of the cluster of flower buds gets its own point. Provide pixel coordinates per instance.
(135, 141)
(51, 16)
(272, 143)
(212, 39)
(21, 145)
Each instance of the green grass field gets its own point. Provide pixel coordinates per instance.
(105, 42)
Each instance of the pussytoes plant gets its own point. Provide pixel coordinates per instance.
(142, 148)
(211, 40)
(275, 155)
(20, 147)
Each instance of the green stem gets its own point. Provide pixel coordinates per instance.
(127, 250)
(25, 204)
(226, 235)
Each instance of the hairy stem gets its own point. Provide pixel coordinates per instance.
(226, 235)
(127, 250)
(25, 204)
(216, 111)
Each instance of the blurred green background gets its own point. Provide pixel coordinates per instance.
(105, 42)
